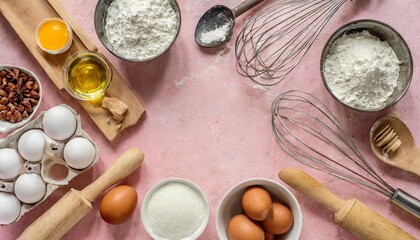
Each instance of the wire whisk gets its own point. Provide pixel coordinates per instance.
(274, 41)
(310, 133)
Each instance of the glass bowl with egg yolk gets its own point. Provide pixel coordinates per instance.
(54, 35)
(87, 75)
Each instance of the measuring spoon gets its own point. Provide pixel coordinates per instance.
(407, 156)
(215, 27)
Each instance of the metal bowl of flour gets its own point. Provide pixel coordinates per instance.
(126, 51)
(384, 33)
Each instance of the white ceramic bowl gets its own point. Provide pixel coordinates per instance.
(230, 205)
(6, 126)
(158, 186)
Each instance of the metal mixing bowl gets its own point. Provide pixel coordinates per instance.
(99, 22)
(385, 33)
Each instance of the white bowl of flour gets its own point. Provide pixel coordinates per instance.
(137, 30)
(367, 65)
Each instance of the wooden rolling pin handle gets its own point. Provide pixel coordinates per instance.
(126, 164)
(311, 188)
(353, 215)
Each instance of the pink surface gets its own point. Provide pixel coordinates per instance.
(208, 124)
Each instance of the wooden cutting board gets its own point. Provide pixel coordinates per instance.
(25, 15)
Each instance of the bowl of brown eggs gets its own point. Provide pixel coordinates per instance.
(258, 208)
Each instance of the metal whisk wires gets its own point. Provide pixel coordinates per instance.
(274, 40)
(308, 131)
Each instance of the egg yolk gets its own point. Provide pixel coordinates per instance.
(54, 35)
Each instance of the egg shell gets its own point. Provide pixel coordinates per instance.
(53, 157)
(118, 204)
(240, 227)
(59, 123)
(30, 188)
(31, 145)
(40, 35)
(9, 208)
(10, 163)
(279, 221)
(256, 202)
(79, 153)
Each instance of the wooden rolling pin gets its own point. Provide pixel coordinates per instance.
(73, 206)
(353, 215)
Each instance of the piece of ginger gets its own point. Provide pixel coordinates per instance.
(117, 108)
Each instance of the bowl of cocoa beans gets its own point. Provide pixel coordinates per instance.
(20, 96)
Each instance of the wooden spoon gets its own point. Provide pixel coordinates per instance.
(405, 156)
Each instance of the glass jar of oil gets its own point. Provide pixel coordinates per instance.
(87, 75)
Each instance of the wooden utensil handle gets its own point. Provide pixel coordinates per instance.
(365, 223)
(353, 215)
(245, 6)
(127, 163)
(312, 188)
(58, 219)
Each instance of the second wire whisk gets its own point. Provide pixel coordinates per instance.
(310, 133)
(273, 41)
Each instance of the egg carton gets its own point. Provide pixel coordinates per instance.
(51, 162)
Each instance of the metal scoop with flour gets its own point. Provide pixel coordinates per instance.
(215, 27)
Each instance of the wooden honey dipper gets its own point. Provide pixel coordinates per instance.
(387, 139)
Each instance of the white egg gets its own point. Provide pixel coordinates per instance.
(30, 188)
(59, 123)
(79, 153)
(9, 208)
(31, 145)
(10, 163)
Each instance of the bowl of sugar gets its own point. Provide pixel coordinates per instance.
(137, 30)
(175, 208)
(366, 65)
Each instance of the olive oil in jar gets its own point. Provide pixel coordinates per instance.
(88, 75)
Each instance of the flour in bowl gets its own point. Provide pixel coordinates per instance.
(140, 29)
(361, 70)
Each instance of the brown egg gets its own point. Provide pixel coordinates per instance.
(256, 202)
(118, 204)
(279, 221)
(268, 236)
(240, 227)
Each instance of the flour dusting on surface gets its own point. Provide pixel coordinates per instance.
(259, 87)
(361, 70)
(140, 29)
(181, 82)
(219, 54)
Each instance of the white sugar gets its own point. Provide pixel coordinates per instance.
(175, 211)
